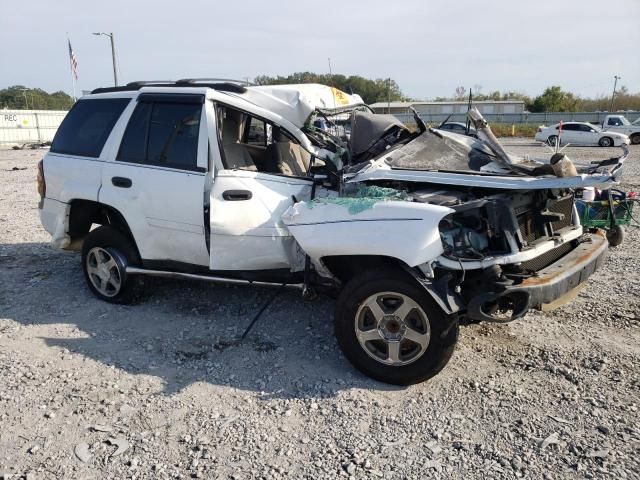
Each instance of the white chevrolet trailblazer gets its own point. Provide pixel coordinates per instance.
(414, 230)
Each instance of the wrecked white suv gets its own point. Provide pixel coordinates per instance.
(303, 186)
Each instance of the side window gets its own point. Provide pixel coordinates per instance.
(614, 121)
(572, 127)
(164, 134)
(134, 142)
(173, 135)
(87, 126)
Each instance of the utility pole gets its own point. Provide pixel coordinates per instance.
(113, 55)
(24, 92)
(613, 95)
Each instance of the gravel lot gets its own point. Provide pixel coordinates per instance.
(163, 389)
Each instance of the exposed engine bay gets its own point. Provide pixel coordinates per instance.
(499, 234)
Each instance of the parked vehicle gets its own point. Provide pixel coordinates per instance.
(580, 133)
(458, 127)
(414, 232)
(619, 123)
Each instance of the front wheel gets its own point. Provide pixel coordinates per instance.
(635, 138)
(390, 328)
(606, 142)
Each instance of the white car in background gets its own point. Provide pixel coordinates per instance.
(580, 133)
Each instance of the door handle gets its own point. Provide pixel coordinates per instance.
(236, 195)
(121, 182)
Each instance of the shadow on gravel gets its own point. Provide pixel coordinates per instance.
(182, 332)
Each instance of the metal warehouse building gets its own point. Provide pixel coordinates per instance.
(486, 107)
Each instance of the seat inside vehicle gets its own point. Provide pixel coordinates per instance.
(289, 157)
(251, 143)
(235, 153)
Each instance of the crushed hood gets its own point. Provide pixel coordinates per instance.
(450, 159)
(297, 102)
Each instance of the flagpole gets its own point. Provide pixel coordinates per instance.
(73, 78)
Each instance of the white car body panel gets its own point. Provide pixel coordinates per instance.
(249, 234)
(404, 230)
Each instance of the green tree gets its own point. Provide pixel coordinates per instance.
(554, 99)
(19, 97)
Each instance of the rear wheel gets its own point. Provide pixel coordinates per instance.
(552, 140)
(606, 142)
(106, 252)
(391, 329)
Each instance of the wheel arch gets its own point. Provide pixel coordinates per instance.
(346, 267)
(85, 213)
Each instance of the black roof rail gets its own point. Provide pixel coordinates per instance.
(221, 85)
(214, 80)
(147, 82)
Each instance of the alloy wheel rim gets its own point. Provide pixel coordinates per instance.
(103, 272)
(392, 328)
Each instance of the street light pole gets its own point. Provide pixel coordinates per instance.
(613, 95)
(113, 55)
(24, 92)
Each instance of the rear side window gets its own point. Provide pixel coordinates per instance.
(164, 134)
(87, 126)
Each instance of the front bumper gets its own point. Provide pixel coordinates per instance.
(547, 286)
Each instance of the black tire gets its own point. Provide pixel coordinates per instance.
(635, 139)
(112, 243)
(551, 140)
(443, 329)
(606, 142)
(616, 235)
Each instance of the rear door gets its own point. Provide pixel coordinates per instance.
(157, 180)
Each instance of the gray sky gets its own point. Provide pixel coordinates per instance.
(428, 47)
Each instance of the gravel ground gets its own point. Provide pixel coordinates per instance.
(163, 390)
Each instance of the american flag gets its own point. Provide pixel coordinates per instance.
(73, 60)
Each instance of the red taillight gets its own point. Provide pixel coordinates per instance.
(42, 185)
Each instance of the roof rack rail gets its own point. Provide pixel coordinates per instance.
(217, 80)
(222, 85)
(147, 82)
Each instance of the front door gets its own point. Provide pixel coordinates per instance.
(157, 180)
(247, 232)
